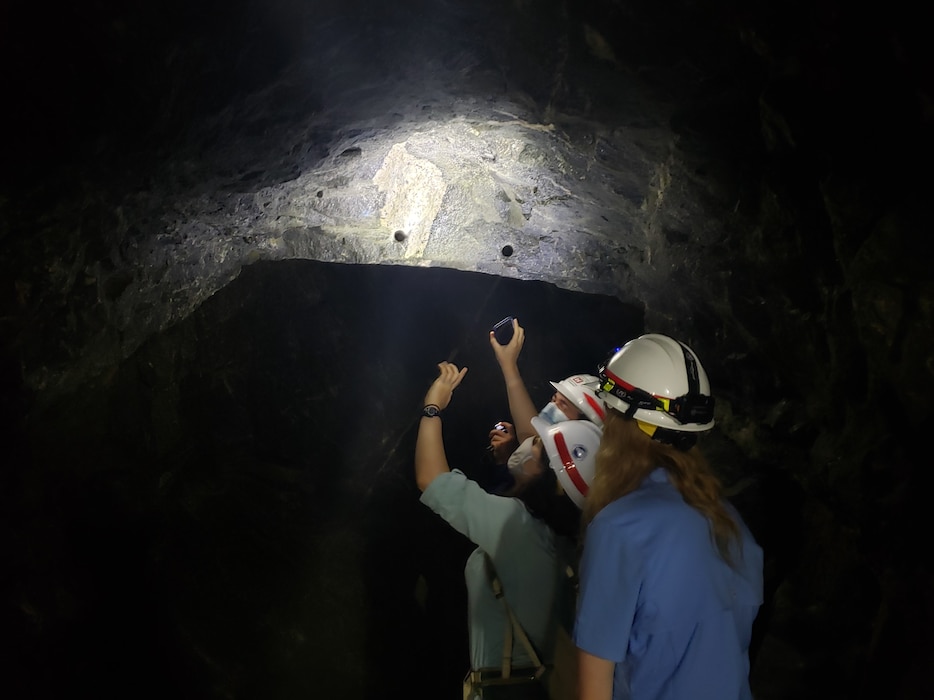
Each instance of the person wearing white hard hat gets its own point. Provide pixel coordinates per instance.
(575, 398)
(670, 576)
(526, 538)
(571, 447)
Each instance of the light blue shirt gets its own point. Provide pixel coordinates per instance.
(528, 556)
(658, 600)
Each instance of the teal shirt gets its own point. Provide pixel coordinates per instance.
(529, 557)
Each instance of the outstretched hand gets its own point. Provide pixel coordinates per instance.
(508, 355)
(441, 390)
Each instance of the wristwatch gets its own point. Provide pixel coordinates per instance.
(431, 411)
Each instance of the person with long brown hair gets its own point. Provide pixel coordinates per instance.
(670, 576)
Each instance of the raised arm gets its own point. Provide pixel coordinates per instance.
(430, 459)
(521, 407)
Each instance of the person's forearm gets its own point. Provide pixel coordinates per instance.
(595, 677)
(521, 407)
(430, 459)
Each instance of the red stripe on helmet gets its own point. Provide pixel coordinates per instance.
(616, 380)
(569, 467)
(629, 387)
(596, 406)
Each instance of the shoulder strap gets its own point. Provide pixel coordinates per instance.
(514, 625)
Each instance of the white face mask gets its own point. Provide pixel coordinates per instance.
(552, 414)
(522, 454)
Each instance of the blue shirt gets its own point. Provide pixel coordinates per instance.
(658, 600)
(528, 556)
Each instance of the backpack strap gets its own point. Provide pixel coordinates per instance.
(513, 626)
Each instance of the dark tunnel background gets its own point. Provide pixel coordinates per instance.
(232, 512)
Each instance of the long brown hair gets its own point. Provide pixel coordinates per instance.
(627, 456)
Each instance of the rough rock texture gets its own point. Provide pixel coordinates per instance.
(197, 204)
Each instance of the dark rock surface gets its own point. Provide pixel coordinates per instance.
(232, 511)
(236, 238)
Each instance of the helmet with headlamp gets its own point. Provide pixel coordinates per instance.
(659, 381)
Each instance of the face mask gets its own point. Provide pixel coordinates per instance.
(552, 414)
(522, 454)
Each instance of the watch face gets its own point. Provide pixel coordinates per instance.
(430, 411)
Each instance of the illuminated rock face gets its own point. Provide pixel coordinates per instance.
(413, 190)
(216, 224)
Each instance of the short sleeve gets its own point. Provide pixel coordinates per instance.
(611, 572)
(475, 513)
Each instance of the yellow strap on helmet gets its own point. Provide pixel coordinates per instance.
(646, 428)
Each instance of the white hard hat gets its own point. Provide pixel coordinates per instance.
(660, 381)
(581, 390)
(572, 450)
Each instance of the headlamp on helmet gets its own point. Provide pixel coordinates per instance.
(658, 380)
